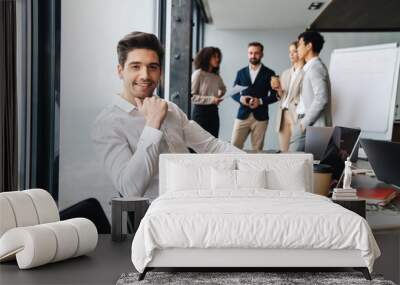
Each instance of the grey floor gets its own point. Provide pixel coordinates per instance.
(110, 259)
(388, 264)
(103, 266)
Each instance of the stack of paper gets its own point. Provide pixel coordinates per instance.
(344, 194)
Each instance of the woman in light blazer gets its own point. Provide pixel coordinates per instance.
(288, 88)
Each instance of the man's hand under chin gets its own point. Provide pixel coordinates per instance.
(154, 110)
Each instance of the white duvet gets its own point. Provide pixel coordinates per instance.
(250, 219)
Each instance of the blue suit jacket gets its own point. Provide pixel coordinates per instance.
(261, 88)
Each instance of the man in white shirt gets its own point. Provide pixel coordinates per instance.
(314, 108)
(130, 134)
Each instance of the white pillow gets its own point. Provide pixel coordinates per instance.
(189, 176)
(225, 179)
(282, 174)
(251, 178)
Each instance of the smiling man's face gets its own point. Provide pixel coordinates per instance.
(140, 73)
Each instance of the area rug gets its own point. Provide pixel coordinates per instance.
(243, 278)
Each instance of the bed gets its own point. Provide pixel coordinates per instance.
(247, 210)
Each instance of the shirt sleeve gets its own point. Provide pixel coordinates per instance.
(236, 96)
(222, 86)
(320, 87)
(285, 82)
(271, 96)
(202, 100)
(202, 141)
(130, 170)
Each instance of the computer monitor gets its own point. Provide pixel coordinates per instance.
(337, 144)
(341, 145)
(316, 141)
(384, 157)
(349, 142)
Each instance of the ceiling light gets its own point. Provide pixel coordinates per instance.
(315, 5)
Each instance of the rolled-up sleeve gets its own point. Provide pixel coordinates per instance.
(222, 86)
(130, 170)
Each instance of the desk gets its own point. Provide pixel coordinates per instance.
(385, 224)
(356, 206)
(102, 266)
(378, 217)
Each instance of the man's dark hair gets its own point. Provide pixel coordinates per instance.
(315, 38)
(203, 57)
(256, 44)
(294, 43)
(138, 40)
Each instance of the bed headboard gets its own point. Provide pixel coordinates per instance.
(298, 166)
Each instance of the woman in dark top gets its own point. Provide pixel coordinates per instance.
(207, 89)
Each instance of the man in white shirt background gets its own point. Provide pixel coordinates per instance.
(130, 134)
(314, 108)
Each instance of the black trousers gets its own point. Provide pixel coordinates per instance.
(89, 209)
(207, 117)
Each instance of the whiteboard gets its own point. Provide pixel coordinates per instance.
(364, 84)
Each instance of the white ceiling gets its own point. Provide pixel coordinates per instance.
(262, 14)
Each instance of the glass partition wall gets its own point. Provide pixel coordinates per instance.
(90, 30)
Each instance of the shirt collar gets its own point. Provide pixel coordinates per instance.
(310, 62)
(257, 68)
(297, 70)
(123, 104)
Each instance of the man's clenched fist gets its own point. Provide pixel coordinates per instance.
(154, 110)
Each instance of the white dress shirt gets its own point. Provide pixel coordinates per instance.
(129, 150)
(254, 72)
(253, 75)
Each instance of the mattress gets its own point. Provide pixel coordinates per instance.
(251, 219)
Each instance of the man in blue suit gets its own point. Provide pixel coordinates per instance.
(252, 116)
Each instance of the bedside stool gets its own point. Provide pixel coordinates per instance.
(119, 209)
(356, 206)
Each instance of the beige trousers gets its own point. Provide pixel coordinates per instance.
(242, 128)
(285, 131)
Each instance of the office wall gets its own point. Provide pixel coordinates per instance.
(233, 44)
(90, 31)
